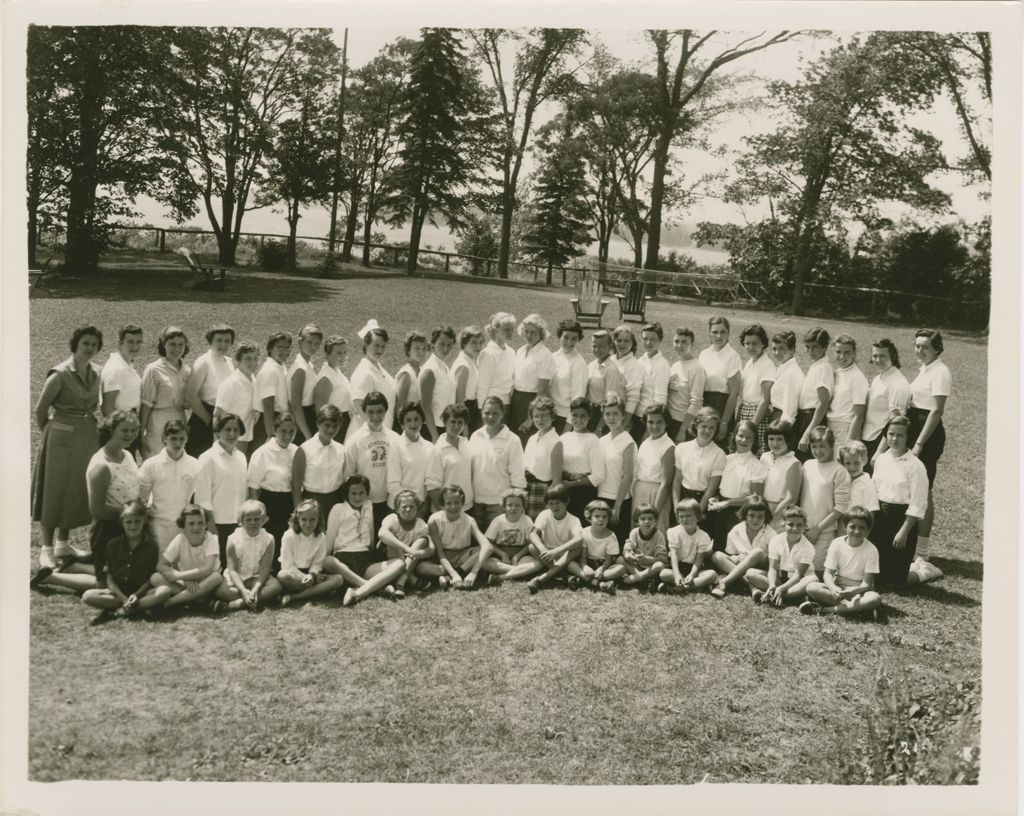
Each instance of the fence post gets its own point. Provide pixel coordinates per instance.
(488, 273)
(395, 264)
(261, 241)
(447, 263)
(163, 240)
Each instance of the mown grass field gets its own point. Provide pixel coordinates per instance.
(495, 685)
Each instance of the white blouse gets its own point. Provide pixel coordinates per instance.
(569, 382)
(648, 459)
(495, 371)
(698, 465)
(754, 373)
(776, 474)
(537, 456)
(888, 394)
(270, 467)
(613, 450)
(413, 460)
(932, 380)
(631, 372)
(685, 388)
(902, 480)
(819, 375)
(464, 361)
(443, 394)
(300, 363)
(214, 368)
(325, 465)
(341, 388)
(851, 389)
(785, 393)
(413, 393)
(741, 470)
(370, 376)
(533, 364)
(719, 366)
(654, 386)
(581, 453)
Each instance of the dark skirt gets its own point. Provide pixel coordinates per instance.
(519, 412)
(535, 490)
(223, 531)
(579, 497)
(672, 427)
(326, 502)
(872, 446)
(697, 495)
(638, 429)
(625, 525)
(801, 424)
(59, 496)
(309, 414)
(279, 506)
(893, 564)
(933, 448)
(718, 400)
(559, 424)
(474, 416)
(102, 533)
(200, 435)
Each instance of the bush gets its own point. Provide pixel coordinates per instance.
(272, 256)
(327, 267)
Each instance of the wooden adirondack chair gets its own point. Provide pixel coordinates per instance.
(36, 278)
(588, 305)
(633, 301)
(206, 277)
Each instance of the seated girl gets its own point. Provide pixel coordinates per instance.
(406, 538)
(187, 569)
(645, 553)
(746, 547)
(461, 549)
(790, 564)
(303, 549)
(250, 553)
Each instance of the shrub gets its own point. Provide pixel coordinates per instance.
(272, 256)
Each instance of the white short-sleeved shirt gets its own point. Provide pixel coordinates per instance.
(244, 553)
(902, 480)
(785, 393)
(496, 367)
(569, 381)
(325, 465)
(370, 454)
(604, 378)
(754, 373)
(688, 546)
(464, 361)
(598, 548)
(168, 484)
(213, 368)
(510, 534)
(497, 464)
(633, 376)
(237, 395)
(741, 470)
(124, 483)
(302, 552)
(790, 558)
(888, 393)
(826, 488)
(221, 483)
(413, 460)
(851, 388)
(451, 464)
(654, 547)
(863, 493)
(776, 473)
(341, 388)
(370, 376)
(654, 386)
(555, 532)
(120, 376)
(443, 394)
(537, 455)
(350, 529)
(533, 364)
(647, 465)
(184, 557)
(455, 535)
(851, 564)
(413, 392)
(819, 375)
(932, 380)
(581, 453)
(393, 524)
(272, 381)
(270, 467)
(719, 367)
(739, 543)
(698, 465)
(685, 388)
(613, 449)
(300, 363)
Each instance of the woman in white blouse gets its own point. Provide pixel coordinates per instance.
(655, 370)
(269, 478)
(629, 368)
(816, 392)
(464, 373)
(722, 378)
(849, 399)
(576, 460)
(163, 389)
(757, 379)
(302, 380)
(496, 363)
(537, 456)
(332, 386)
(370, 375)
(208, 372)
(534, 369)
(437, 388)
(888, 396)
(571, 373)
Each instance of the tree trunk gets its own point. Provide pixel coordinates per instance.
(368, 229)
(293, 227)
(505, 250)
(83, 244)
(548, 277)
(350, 226)
(657, 198)
(418, 216)
(33, 225)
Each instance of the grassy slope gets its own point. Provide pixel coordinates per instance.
(493, 686)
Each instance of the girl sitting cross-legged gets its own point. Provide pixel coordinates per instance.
(790, 564)
(406, 538)
(688, 547)
(555, 536)
(746, 547)
(595, 552)
(187, 569)
(250, 553)
(851, 568)
(509, 533)
(461, 549)
(645, 553)
(303, 549)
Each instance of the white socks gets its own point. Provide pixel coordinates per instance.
(923, 547)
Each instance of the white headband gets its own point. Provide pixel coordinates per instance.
(371, 324)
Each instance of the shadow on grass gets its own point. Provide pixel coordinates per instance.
(934, 592)
(963, 569)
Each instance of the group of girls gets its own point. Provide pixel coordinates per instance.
(625, 431)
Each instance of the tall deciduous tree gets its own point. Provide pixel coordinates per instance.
(535, 76)
(683, 79)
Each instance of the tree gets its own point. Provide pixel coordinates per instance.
(536, 76)
(843, 146)
(559, 229)
(226, 90)
(443, 133)
(681, 89)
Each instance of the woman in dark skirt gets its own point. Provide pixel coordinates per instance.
(722, 380)
(577, 462)
(534, 369)
(888, 395)
(269, 479)
(464, 374)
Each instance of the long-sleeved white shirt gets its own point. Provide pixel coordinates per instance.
(497, 464)
(655, 371)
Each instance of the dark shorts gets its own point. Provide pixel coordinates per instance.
(801, 424)
(103, 531)
(200, 435)
(358, 562)
(933, 448)
(893, 564)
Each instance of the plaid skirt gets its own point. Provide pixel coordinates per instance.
(535, 490)
(747, 411)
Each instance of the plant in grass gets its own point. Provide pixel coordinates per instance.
(271, 256)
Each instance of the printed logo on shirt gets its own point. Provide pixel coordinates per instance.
(378, 453)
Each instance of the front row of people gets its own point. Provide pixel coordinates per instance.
(323, 556)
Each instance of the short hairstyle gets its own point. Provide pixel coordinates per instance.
(822, 433)
(569, 325)
(542, 404)
(785, 338)
(190, 509)
(853, 447)
(601, 334)
(250, 506)
(246, 347)
(653, 327)
(689, 506)
(220, 328)
(375, 331)
(134, 508)
(112, 422)
(442, 331)
(499, 320)
(656, 410)
(643, 509)
(613, 400)
(934, 338)
(890, 347)
(81, 332)
(514, 493)
(901, 422)
(305, 506)
(795, 511)
(858, 512)
(126, 329)
(596, 506)
(457, 410)
(278, 337)
(706, 414)
(414, 336)
(817, 337)
(718, 320)
(375, 398)
(311, 330)
(625, 331)
(581, 403)
(283, 419)
(328, 413)
(411, 407)
(754, 504)
(845, 340)
(403, 495)
(755, 330)
(468, 333)
(493, 399)
(352, 481)
(453, 490)
(746, 424)
(332, 341)
(173, 427)
(780, 427)
(558, 492)
(169, 334)
(687, 333)
(536, 321)
(224, 419)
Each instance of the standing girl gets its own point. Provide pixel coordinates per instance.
(163, 389)
(577, 462)
(320, 464)
(825, 494)
(269, 479)
(849, 400)
(407, 379)
(237, 393)
(333, 387)
(370, 452)
(534, 368)
(685, 387)
(603, 377)
(655, 468)
(789, 380)
(655, 371)
(465, 376)
(888, 395)
(167, 482)
(722, 379)
(437, 388)
(784, 476)
(451, 461)
(271, 387)
(700, 463)
(537, 458)
(496, 363)
(413, 455)
(757, 378)
(221, 481)
(208, 372)
(570, 379)
(742, 477)
(815, 393)
(370, 376)
(619, 453)
(632, 376)
(302, 380)
(496, 456)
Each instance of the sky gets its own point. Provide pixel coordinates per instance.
(781, 62)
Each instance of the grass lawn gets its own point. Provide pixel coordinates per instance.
(496, 685)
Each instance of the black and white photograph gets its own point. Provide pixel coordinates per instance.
(600, 405)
